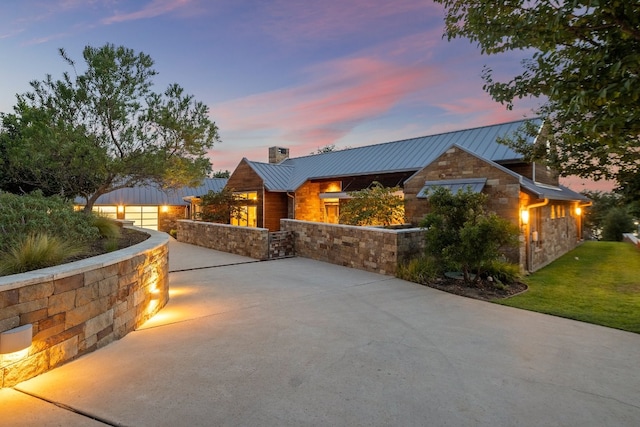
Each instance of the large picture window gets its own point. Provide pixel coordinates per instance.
(248, 209)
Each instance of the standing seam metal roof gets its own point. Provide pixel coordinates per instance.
(148, 195)
(398, 156)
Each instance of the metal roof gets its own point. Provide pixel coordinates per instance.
(276, 177)
(543, 191)
(149, 195)
(475, 185)
(398, 156)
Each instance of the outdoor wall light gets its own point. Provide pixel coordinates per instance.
(524, 216)
(16, 339)
(578, 211)
(120, 209)
(165, 208)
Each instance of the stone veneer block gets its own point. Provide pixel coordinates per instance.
(68, 283)
(34, 292)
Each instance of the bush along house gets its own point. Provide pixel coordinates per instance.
(311, 188)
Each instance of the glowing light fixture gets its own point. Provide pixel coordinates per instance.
(16, 339)
(524, 216)
(578, 211)
(120, 209)
(165, 208)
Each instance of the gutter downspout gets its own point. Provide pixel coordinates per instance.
(528, 251)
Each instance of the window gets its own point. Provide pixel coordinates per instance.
(248, 209)
(107, 211)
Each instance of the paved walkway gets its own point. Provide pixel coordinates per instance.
(296, 342)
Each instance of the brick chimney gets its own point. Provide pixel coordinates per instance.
(278, 154)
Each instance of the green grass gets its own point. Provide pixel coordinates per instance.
(598, 282)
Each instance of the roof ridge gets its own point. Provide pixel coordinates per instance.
(413, 138)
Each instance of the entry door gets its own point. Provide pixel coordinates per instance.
(331, 213)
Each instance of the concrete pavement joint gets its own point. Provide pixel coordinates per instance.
(229, 264)
(219, 265)
(71, 409)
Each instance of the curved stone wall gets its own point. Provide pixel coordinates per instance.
(79, 307)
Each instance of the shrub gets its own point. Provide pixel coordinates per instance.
(29, 214)
(221, 206)
(36, 251)
(107, 227)
(502, 271)
(460, 231)
(111, 245)
(420, 270)
(377, 205)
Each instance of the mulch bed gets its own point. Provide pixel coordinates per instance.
(484, 290)
(128, 237)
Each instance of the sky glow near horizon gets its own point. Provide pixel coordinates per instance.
(287, 73)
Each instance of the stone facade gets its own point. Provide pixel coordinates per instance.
(169, 216)
(309, 206)
(81, 306)
(245, 241)
(552, 231)
(555, 225)
(502, 188)
(366, 248)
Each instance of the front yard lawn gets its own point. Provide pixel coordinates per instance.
(598, 282)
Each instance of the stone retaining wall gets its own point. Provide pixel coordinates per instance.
(366, 248)
(246, 241)
(81, 306)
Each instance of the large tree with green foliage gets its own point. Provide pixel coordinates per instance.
(584, 64)
(103, 128)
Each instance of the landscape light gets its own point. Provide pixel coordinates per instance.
(16, 339)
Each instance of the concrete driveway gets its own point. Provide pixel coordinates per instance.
(296, 342)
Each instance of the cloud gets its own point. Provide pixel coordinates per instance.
(151, 10)
(331, 19)
(337, 97)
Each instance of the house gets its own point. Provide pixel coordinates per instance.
(151, 207)
(311, 188)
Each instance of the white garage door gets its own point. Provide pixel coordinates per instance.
(142, 216)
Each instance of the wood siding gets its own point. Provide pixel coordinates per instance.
(275, 207)
(245, 179)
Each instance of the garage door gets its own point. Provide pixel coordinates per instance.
(142, 216)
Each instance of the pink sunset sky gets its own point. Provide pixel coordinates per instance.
(297, 74)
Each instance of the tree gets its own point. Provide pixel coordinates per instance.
(105, 129)
(616, 222)
(463, 235)
(37, 155)
(220, 206)
(330, 148)
(602, 204)
(221, 174)
(377, 205)
(584, 64)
